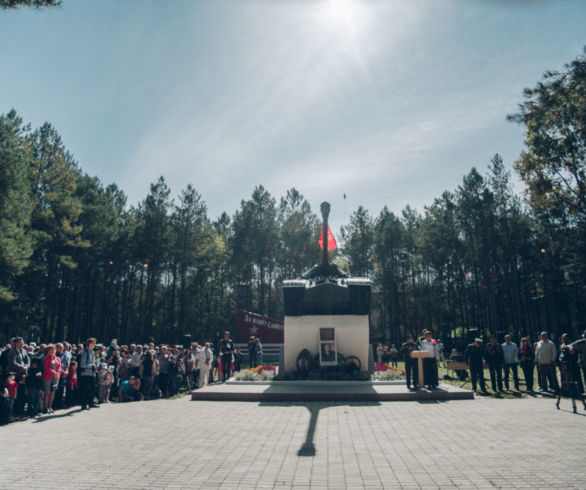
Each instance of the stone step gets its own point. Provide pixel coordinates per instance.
(326, 391)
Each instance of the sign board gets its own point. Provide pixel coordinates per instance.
(266, 329)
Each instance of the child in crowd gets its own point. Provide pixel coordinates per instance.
(11, 387)
(109, 382)
(102, 373)
(72, 387)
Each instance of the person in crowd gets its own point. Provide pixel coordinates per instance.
(19, 362)
(173, 372)
(511, 358)
(124, 369)
(65, 357)
(386, 355)
(147, 374)
(410, 363)
(430, 373)
(11, 391)
(546, 356)
(4, 357)
(178, 375)
(135, 359)
(457, 357)
(216, 375)
(493, 353)
(526, 357)
(34, 384)
(130, 391)
(379, 352)
(441, 354)
(205, 362)
(18, 359)
(190, 364)
(227, 350)
(51, 375)
(87, 368)
(259, 353)
(101, 378)
(474, 357)
(393, 355)
(580, 347)
(252, 351)
(71, 397)
(164, 362)
(570, 374)
(237, 359)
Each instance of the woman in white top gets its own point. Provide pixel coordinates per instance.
(430, 375)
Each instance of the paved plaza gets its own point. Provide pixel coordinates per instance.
(484, 443)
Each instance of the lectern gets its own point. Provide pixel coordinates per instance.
(420, 355)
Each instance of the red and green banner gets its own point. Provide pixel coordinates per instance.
(268, 330)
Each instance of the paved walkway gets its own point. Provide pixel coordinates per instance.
(485, 443)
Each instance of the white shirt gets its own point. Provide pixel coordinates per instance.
(429, 346)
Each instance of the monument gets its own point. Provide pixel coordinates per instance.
(326, 334)
(326, 314)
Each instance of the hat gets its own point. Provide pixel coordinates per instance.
(478, 340)
(103, 366)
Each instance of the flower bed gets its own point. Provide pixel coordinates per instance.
(259, 373)
(386, 372)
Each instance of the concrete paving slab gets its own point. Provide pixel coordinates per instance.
(484, 443)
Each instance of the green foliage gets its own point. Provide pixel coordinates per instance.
(553, 164)
(13, 4)
(16, 205)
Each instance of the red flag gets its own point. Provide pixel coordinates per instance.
(331, 240)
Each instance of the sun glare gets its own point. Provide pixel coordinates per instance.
(342, 11)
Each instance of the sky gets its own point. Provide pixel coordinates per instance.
(387, 102)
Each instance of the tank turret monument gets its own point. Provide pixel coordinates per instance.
(326, 316)
(326, 354)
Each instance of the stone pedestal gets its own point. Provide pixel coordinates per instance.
(302, 332)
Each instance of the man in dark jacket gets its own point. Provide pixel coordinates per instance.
(474, 356)
(252, 351)
(494, 358)
(19, 362)
(410, 362)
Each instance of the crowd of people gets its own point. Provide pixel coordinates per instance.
(503, 361)
(38, 379)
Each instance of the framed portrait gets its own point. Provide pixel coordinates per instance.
(328, 355)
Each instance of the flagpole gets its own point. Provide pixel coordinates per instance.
(325, 211)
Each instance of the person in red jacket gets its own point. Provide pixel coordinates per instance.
(51, 374)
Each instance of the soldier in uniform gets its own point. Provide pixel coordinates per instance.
(226, 349)
(410, 362)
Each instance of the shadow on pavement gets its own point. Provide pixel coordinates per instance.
(307, 449)
(44, 418)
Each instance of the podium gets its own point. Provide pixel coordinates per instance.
(420, 355)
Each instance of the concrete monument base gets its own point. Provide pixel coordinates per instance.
(303, 391)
